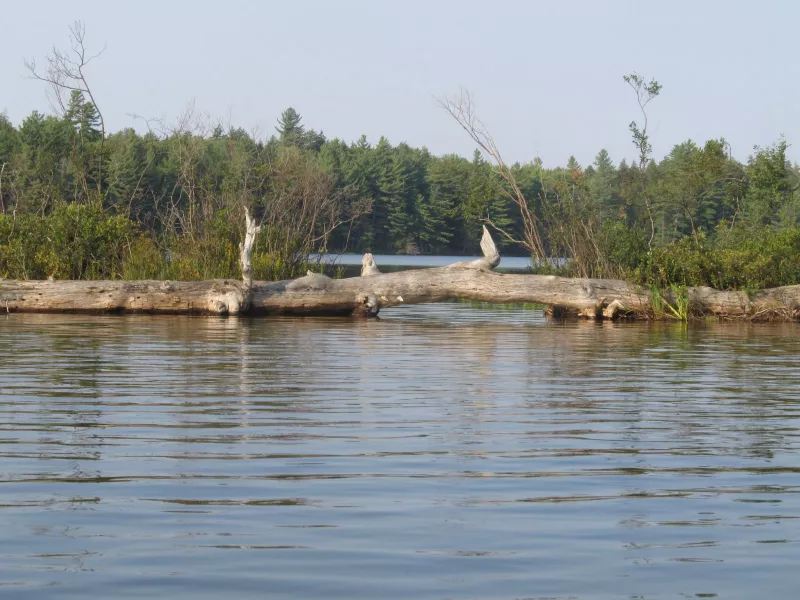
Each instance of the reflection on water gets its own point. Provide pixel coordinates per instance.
(445, 451)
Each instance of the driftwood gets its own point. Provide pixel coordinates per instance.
(366, 295)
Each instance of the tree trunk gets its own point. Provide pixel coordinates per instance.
(317, 294)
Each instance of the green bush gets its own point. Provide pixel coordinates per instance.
(685, 262)
(623, 247)
(82, 241)
(145, 260)
(749, 259)
(211, 252)
(744, 258)
(758, 259)
(75, 241)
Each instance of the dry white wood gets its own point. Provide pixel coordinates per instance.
(368, 265)
(491, 257)
(246, 249)
(251, 232)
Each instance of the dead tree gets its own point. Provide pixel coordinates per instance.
(65, 71)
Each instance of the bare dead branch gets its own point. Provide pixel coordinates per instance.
(66, 72)
(462, 109)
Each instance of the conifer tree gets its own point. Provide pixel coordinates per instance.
(602, 184)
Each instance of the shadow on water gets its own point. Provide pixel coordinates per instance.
(444, 451)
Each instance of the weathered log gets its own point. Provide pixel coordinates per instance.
(367, 295)
(317, 294)
(193, 297)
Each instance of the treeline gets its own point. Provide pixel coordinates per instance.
(76, 203)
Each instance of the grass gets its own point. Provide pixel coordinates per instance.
(674, 305)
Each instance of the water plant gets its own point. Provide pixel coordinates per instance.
(674, 304)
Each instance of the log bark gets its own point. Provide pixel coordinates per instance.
(366, 295)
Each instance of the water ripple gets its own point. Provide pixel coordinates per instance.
(449, 451)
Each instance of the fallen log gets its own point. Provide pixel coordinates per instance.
(373, 291)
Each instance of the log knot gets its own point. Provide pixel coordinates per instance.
(229, 301)
(311, 281)
(368, 306)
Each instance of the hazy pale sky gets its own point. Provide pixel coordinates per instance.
(546, 75)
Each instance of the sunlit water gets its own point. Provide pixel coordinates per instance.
(409, 261)
(445, 451)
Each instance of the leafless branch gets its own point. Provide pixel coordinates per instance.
(65, 71)
(462, 109)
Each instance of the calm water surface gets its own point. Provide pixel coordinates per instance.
(395, 262)
(445, 451)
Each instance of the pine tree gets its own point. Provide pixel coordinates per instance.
(440, 216)
(125, 171)
(393, 199)
(573, 164)
(8, 139)
(289, 128)
(485, 200)
(602, 187)
(9, 142)
(292, 133)
(359, 175)
(84, 159)
(83, 117)
(45, 148)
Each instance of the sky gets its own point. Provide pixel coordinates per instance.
(546, 76)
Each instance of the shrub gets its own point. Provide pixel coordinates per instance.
(76, 241)
(748, 259)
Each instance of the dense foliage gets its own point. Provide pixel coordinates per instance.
(74, 204)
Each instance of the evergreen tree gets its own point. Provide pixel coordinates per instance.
(45, 151)
(394, 216)
(126, 166)
(602, 187)
(485, 200)
(9, 140)
(83, 117)
(289, 128)
(441, 217)
(362, 172)
(689, 187)
(627, 190)
(293, 133)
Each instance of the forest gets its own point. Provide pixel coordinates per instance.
(77, 202)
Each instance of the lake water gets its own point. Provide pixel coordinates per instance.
(399, 262)
(447, 451)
